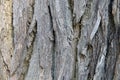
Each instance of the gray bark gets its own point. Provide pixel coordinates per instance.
(60, 40)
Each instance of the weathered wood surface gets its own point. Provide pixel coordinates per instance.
(6, 44)
(59, 39)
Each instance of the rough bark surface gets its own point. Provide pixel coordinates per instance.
(59, 39)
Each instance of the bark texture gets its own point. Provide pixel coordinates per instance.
(59, 39)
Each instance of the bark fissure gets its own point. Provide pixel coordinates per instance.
(53, 40)
(30, 38)
(12, 28)
(30, 47)
(77, 34)
(60, 39)
(112, 57)
(53, 58)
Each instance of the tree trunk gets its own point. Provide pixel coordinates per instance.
(59, 39)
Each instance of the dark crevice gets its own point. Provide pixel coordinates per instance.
(111, 55)
(50, 14)
(76, 29)
(12, 28)
(77, 34)
(30, 49)
(53, 59)
(30, 36)
(71, 6)
(90, 51)
(53, 53)
(13, 36)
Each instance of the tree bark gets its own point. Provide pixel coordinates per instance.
(59, 39)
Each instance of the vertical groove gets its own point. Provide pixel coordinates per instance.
(53, 54)
(30, 50)
(12, 27)
(75, 40)
(53, 58)
(77, 31)
(31, 35)
(111, 53)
